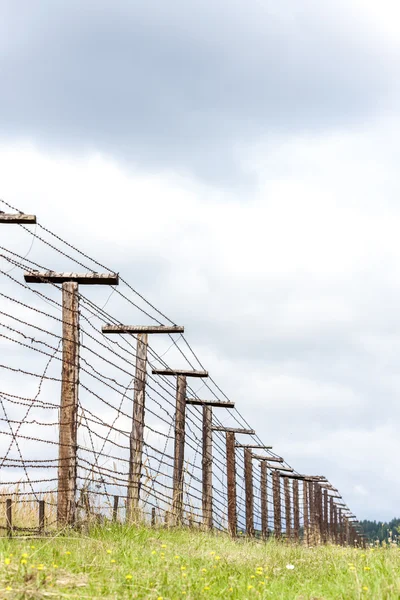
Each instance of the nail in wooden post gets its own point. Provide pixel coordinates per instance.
(9, 517)
(305, 514)
(296, 514)
(288, 515)
(67, 465)
(264, 499)
(115, 508)
(153, 517)
(207, 467)
(231, 482)
(276, 487)
(41, 516)
(248, 481)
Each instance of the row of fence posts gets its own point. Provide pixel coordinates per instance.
(320, 524)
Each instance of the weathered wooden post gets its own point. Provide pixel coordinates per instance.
(311, 500)
(248, 482)
(231, 473)
(207, 496)
(341, 533)
(67, 453)
(115, 509)
(263, 484)
(296, 513)
(306, 513)
(9, 523)
(139, 400)
(276, 490)
(41, 516)
(179, 449)
(326, 518)
(288, 515)
(331, 521)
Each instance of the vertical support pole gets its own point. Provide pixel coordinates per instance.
(177, 502)
(9, 517)
(231, 482)
(305, 513)
(326, 519)
(115, 508)
(276, 486)
(136, 436)
(153, 517)
(288, 516)
(296, 514)
(335, 524)
(41, 516)
(347, 531)
(264, 500)
(341, 533)
(207, 467)
(312, 512)
(248, 481)
(67, 461)
(331, 522)
(317, 512)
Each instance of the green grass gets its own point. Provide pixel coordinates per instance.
(120, 562)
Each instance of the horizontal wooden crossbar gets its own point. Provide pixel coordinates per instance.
(195, 402)
(184, 372)
(255, 446)
(142, 329)
(18, 218)
(338, 497)
(81, 278)
(234, 430)
(283, 469)
(270, 458)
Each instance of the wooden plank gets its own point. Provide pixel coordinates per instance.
(276, 487)
(347, 531)
(288, 515)
(207, 467)
(270, 458)
(67, 464)
(235, 430)
(331, 522)
(296, 512)
(137, 431)
(306, 513)
(282, 470)
(9, 523)
(215, 403)
(335, 525)
(249, 496)
(182, 372)
(264, 500)
(311, 503)
(81, 278)
(135, 329)
(341, 529)
(254, 446)
(231, 482)
(179, 450)
(17, 218)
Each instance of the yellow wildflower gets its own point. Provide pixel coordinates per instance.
(367, 568)
(128, 577)
(183, 568)
(154, 552)
(365, 588)
(212, 553)
(7, 561)
(109, 551)
(217, 558)
(206, 587)
(68, 552)
(23, 561)
(204, 570)
(113, 561)
(252, 576)
(163, 545)
(249, 587)
(24, 555)
(55, 566)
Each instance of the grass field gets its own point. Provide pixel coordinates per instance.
(161, 564)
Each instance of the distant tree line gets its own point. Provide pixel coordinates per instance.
(379, 531)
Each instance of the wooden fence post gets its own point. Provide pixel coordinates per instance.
(231, 482)
(115, 509)
(67, 454)
(264, 499)
(296, 515)
(331, 521)
(136, 439)
(341, 533)
(276, 486)
(179, 445)
(326, 519)
(311, 501)
(9, 522)
(41, 516)
(288, 516)
(153, 517)
(248, 480)
(207, 459)
(335, 524)
(306, 513)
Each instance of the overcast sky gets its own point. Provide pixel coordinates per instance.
(238, 163)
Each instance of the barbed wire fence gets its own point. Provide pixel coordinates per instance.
(97, 424)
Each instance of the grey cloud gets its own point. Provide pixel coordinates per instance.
(183, 87)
